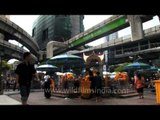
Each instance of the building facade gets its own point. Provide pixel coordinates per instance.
(56, 27)
(112, 36)
(107, 56)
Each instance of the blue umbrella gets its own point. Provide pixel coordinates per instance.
(137, 65)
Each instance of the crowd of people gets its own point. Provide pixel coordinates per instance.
(25, 72)
(96, 82)
(9, 84)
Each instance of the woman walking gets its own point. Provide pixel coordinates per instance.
(139, 84)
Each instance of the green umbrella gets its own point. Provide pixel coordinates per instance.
(46, 67)
(66, 61)
(137, 65)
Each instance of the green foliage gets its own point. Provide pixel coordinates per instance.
(121, 67)
(42, 62)
(5, 66)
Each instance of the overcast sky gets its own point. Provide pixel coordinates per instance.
(26, 21)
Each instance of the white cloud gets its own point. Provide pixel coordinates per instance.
(24, 21)
(11, 61)
(151, 23)
(18, 44)
(15, 43)
(90, 21)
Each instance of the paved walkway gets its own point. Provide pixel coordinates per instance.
(6, 100)
(37, 98)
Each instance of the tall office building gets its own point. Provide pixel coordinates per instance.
(56, 27)
(109, 38)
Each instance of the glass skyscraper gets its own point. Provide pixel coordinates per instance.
(57, 28)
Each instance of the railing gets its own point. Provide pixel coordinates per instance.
(118, 52)
(153, 45)
(127, 38)
(143, 47)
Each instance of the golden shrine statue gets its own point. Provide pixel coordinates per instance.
(85, 86)
(121, 76)
(99, 58)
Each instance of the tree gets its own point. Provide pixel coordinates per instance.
(121, 67)
(5, 65)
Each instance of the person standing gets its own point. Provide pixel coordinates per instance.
(24, 73)
(47, 86)
(139, 84)
(92, 86)
(98, 86)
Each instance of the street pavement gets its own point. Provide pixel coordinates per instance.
(6, 100)
(37, 98)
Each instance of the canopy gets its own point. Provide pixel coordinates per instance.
(61, 59)
(46, 67)
(67, 62)
(64, 56)
(137, 65)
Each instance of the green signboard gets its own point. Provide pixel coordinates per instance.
(104, 29)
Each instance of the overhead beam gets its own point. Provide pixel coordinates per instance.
(52, 44)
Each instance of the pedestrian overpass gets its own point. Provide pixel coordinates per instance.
(11, 51)
(108, 26)
(10, 31)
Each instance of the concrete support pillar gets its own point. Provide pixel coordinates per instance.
(136, 27)
(1, 82)
(1, 54)
(149, 44)
(41, 54)
(139, 46)
(101, 69)
(114, 52)
(49, 49)
(122, 50)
